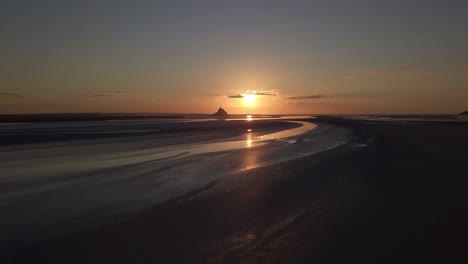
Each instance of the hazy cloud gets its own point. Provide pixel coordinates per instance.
(390, 70)
(235, 96)
(257, 93)
(266, 93)
(25, 105)
(94, 95)
(103, 94)
(354, 75)
(14, 95)
(317, 96)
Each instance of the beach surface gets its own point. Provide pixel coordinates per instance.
(326, 190)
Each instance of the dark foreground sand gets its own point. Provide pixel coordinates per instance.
(402, 199)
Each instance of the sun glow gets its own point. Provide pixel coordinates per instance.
(249, 99)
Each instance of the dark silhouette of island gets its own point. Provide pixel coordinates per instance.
(221, 113)
(464, 113)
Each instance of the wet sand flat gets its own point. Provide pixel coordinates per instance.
(64, 187)
(395, 193)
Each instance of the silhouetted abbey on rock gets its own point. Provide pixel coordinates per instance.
(221, 113)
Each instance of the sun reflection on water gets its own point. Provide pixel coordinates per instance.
(249, 159)
(248, 141)
(248, 118)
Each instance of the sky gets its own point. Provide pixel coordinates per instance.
(253, 57)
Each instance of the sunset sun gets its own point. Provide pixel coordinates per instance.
(249, 99)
